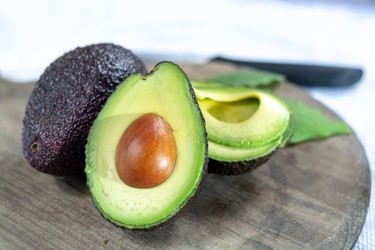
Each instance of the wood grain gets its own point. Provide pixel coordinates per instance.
(310, 196)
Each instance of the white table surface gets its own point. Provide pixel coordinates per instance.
(34, 33)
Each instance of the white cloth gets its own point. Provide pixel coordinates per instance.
(34, 33)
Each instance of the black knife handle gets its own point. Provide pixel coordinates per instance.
(306, 75)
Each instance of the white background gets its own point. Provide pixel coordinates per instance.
(34, 33)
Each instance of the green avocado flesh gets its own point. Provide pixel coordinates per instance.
(166, 92)
(224, 153)
(242, 124)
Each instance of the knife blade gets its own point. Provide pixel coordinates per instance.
(305, 74)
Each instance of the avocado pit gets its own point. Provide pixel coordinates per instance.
(146, 153)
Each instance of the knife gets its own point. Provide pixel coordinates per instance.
(304, 74)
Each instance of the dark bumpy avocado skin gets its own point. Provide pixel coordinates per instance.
(236, 168)
(65, 102)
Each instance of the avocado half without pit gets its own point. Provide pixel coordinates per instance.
(244, 126)
(146, 155)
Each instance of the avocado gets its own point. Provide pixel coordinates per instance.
(66, 100)
(146, 152)
(245, 126)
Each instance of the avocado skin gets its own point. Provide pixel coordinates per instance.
(238, 167)
(66, 101)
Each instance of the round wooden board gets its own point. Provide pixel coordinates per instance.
(312, 195)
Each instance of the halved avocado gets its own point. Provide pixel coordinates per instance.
(149, 123)
(241, 117)
(244, 126)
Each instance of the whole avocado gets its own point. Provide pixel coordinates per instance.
(65, 102)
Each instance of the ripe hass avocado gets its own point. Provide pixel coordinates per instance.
(146, 153)
(244, 126)
(66, 101)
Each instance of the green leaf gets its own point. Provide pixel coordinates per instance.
(311, 123)
(249, 78)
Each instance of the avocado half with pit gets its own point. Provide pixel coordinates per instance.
(244, 126)
(146, 153)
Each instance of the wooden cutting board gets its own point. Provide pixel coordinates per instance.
(313, 195)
